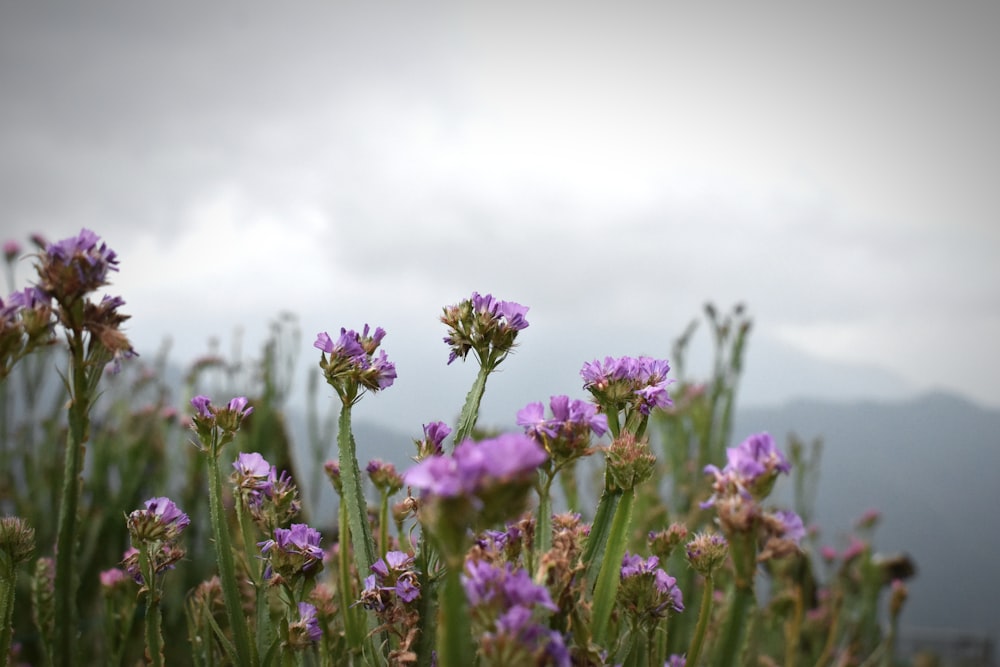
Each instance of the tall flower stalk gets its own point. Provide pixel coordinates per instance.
(69, 271)
(215, 428)
(351, 366)
(154, 531)
(487, 327)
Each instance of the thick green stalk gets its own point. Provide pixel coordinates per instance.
(543, 520)
(383, 525)
(470, 411)
(154, 635)
(606, 588)
(704, 614)
(245, 649)
(7, 586)
(353, 630)
(354, 496)
(66, 579)
(597, 541)
(454, 634)
(743, 549)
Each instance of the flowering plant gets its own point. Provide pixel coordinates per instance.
(657, 565)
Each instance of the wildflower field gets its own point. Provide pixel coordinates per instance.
(144, 523)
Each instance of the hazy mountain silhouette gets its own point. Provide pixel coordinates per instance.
(929, 465)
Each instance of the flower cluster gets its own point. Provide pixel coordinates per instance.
(503, 602)
(479, 483)
(73, 267)
(707, 552)
(566, 434)
(25, 325)
(485, 326)
(393, 579)
(210, 421)
(750, 471)
(628, 383)
(630, 462)
(159, 521)
(272, 499)
(384, 477)
(293, 553)
(304, 631)
(350, 364)
(647, 593)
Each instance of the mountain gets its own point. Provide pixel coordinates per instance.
(929, 465)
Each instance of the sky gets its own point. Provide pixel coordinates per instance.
(613, 167)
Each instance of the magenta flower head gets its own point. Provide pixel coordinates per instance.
(567, 433)
(751, 469)
(646, 592)
(485, 326)
(305, 631)
(628, 383)
(160, 520)
(209, 421)
(508, 610)
(350, 363)
(393, 583)
(431, 445)
(293, 553)
(252, 473)
(783, 532)
(76, 266)
(481, 482)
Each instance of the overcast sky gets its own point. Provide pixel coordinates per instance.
(611, 165)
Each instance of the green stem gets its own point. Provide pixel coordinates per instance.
(454, 634)
(353, 497)
(543, 522)
(383, 525)
(245, 653)
(66, 579)
(154, 635)
(597, 541)
(606, 588)
(470, 411)
(352, 626)
(734, 629)
(7, 586)
(704, 614)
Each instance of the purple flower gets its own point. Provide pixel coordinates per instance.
(750, 470)
(634, 565)
(306, 630)
(161, 520)
(434, 435)
(485, 326)
(392, 574)
(253, 473)
(352, 362)
(476, 465)
(675, 661)
(791, 527)
(617, 383)
(503, 586)
(75, 266)
(566, 435)
(294, 551)
(646, 590)
(203, 406)
(346, 346)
